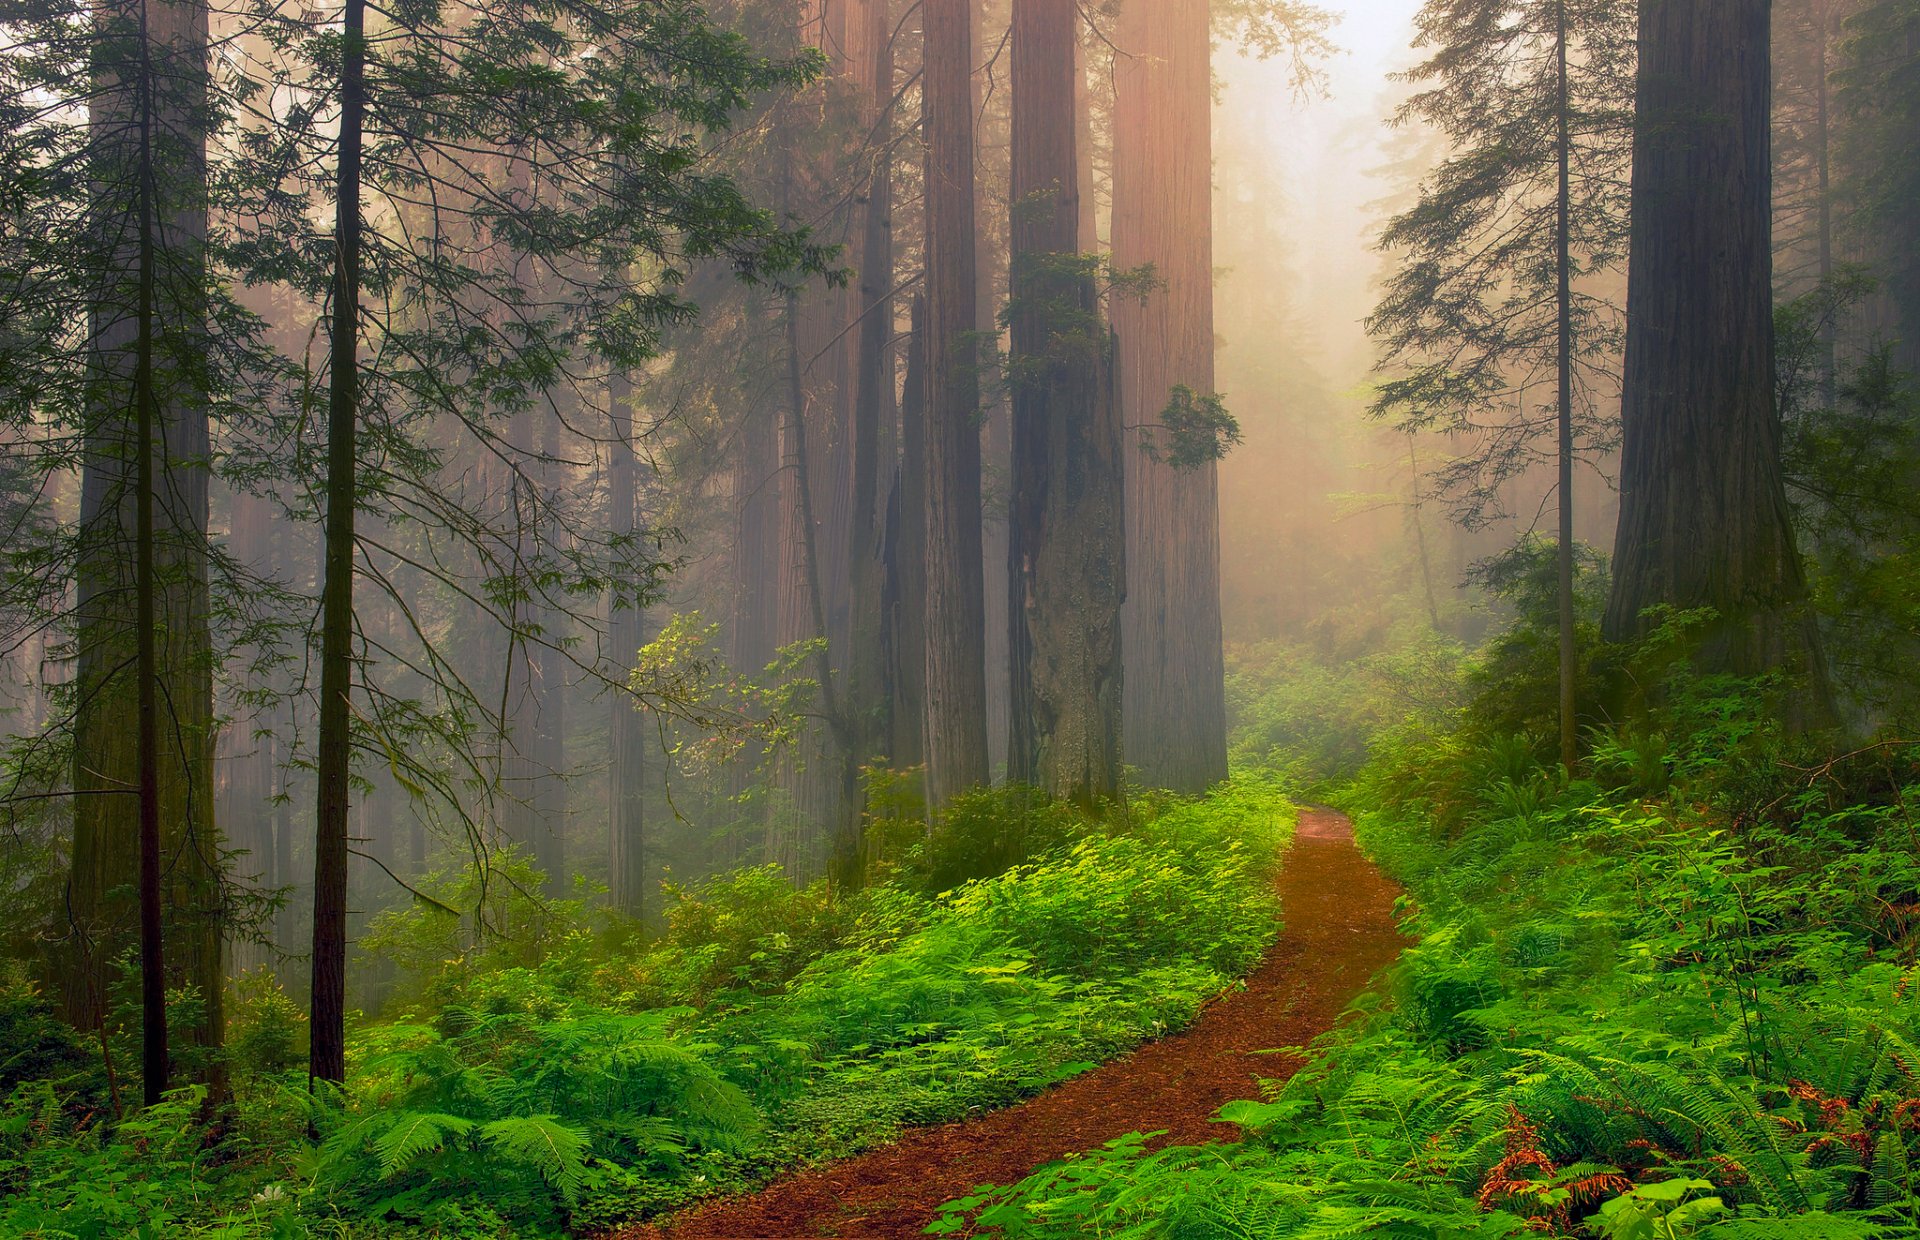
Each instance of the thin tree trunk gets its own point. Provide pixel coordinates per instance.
(1416, 511)
(1066, 534)
(549, 666)
(1176, 712)
(153, 982)
(1704, 520)
(956, 691)
(1563, 258)
(907, 557)
(626, 724)
(327, 1058)
(991, 151)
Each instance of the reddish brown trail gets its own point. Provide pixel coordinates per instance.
(1339, 932)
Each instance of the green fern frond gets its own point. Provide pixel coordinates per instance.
(411, 1134)
(543, 1144)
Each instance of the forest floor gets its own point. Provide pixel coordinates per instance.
(1339, 931)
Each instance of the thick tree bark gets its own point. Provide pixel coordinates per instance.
(1066, 553)
(956, 691)
(869, 696)
(327, 1058)
(142, 629)
(1176, 720)
(1704, 520)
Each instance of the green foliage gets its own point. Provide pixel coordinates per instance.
(750, 929)
(1514, 684)
(1850, 447)
(1680, 1010)
(1317, 711)
(986, 832)
(544, 1081)
(1470, 320)
(36, 1046)
(266, 1030)
(69, 1176)
(508, 1107)
(1194, 430)
(472, 920)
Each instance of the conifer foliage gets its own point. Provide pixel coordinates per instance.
(1498, 326)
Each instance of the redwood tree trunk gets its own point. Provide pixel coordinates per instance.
(1066, 550)
(327, 1059)
(869, 698)
(1176, 714)
(1704, 520)
(143, 646)
(956, 685)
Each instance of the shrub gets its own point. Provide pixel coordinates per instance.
(989, 831)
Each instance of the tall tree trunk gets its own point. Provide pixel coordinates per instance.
(549, 666)
(327, 1059)
(285, 928)
(626, 633)
(1066, 537)
(1176, 713)
(756, 537)
(1416, 514)
(956, 688)
(992, 153)
(907, 557)
(1704, 520)
(869, 696)
(1563, 258)
(804, 556)
(518, 776)
(1823, 204)
(144, 647)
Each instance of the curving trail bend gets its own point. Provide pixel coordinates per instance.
(1339, 931)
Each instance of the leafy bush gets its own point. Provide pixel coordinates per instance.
(751, 929)
(35, 1045)
(987, 832)
(519, 1113)
(468, 922)
(69, 1176)
(1317, 716)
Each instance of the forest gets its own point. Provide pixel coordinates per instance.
(1141, 619)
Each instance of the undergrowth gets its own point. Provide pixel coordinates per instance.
(1673, 998)
(586, 1081)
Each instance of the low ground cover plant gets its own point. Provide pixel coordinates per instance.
(593, 1080)
(1673, 998)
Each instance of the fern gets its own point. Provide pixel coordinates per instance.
(410, 1135)
(554, 1150)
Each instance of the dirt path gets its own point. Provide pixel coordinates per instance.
(1339, 932)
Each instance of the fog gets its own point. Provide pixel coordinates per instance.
(1310, 500)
